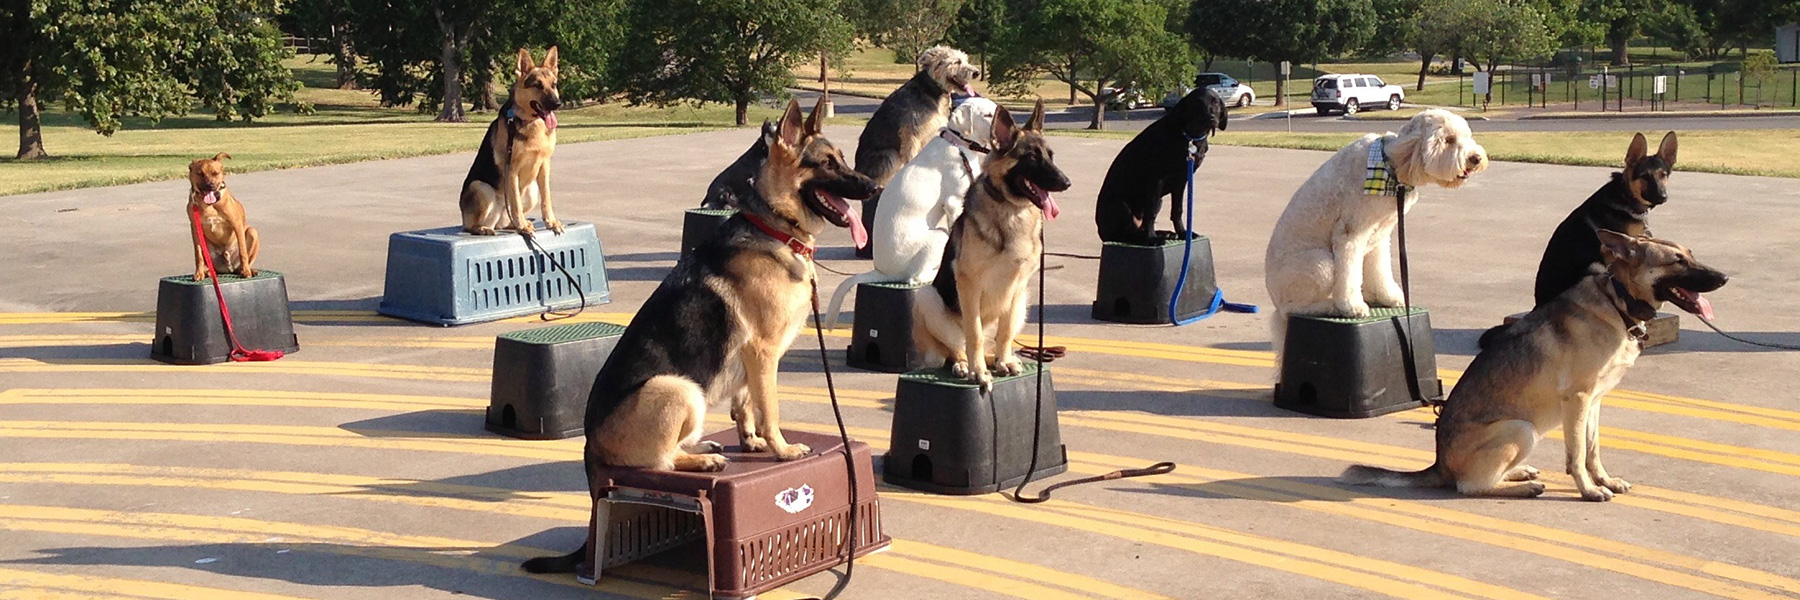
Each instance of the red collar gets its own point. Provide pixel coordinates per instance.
(791, 242)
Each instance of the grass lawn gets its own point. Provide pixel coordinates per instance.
(1737, 152)
(349, 126)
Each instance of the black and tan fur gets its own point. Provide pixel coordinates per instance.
(233, 243)
(993, 251)
(715, 329)
(738, 180)
(1551, 370)
(511, 174)
(1622, 205)
(909, 118)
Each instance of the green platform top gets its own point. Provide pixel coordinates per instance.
(896, 285)
(714, 212)
(941, 376)
(1375, 314)
(1165, 244)
(223, 278)
(563, 333)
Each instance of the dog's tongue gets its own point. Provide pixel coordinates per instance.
(210, 197)
(1705, 305)
(550, 120)
(857, 234)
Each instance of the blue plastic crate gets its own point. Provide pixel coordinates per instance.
(448, 277)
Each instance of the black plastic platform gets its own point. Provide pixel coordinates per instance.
(882, 335)
(1137, 281)
(542, 378)
(699, 224)
(1662, 330)
(1356, 368)
(189, 330)
(950, 439)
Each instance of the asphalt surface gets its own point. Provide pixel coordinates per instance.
(359, 468)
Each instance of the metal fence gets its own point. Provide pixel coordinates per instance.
(1632, 88)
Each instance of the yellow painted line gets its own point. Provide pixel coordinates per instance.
(88, 585)
(345, 541)
(569, 507)
(567, 449)
(285, 366)
(57, 318)
(1017, 588)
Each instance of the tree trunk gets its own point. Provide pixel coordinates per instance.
(1071, 83)
(1281, 84)
(1099, 120)
(31, 132)
(743, 110)
(1424, 68)
(452, 111)
(482, 73)
(345, 59)
(1619, 35)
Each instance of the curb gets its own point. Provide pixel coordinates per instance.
(1674, 114)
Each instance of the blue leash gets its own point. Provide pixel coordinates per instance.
(1187, 253)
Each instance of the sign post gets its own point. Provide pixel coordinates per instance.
(1287, 70)
(1484, 88)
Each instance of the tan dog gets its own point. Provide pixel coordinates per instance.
(511, 174)
(992, 253)
(1550, 369)
(233, 242)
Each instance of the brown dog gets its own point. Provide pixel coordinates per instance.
(511, 174)
(229, 237)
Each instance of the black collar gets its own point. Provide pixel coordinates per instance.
(957, 138)
(1632, 311)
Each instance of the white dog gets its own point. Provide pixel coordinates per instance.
(1331, 252)
(914, 214)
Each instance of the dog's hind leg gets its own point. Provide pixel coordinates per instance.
(937, 332)
(1480, 465)
(651, 428)
(480, 208)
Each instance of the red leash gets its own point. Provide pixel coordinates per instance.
(238, 353)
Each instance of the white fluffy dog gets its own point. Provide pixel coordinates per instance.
(1331, 251)
(913, 217)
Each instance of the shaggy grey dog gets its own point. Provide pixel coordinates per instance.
(910, 117)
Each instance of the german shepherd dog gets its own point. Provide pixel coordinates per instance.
(719, 323)
(1154, 165)
(993, 251)
(1622, 205)
(511, 174)
(1552, 368)
(910, 117)
(739, 179)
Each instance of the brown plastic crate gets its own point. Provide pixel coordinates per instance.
(770, 522)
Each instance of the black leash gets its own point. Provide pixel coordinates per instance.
(1072, 255)
(844, 436)
(551, 314)
(1037, 419)
(1734, 338)
(1409, 351)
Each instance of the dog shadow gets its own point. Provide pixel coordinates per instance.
(82, 354)
(444, 423)
(1191, 403)
(637, 273)
(1287, 489)
(368, 303)
(1245, 346)
(1706, 340)
(644, 257)
(339, 565)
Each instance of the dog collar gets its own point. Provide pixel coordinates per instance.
(956, 137)
(791, 242)
(1634, 326)
(1194, 143)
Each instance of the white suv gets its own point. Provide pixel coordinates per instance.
(1351, 93)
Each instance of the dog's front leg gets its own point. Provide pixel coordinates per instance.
(247, 245)
(1379, 287)
(1575, 443)
(1347, 255)
(1009, 321)
(513, 187)
(745, 418)
(1592, 435)
(975, 368)
(543, 188)
(760, 364)
(199, 256)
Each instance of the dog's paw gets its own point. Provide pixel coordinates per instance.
(483, 231)
(753, 443)
(1535, 489)
(246, 273)
(984, 381)
(1351, 309)
(708, 447)
(712, 463)
(1389, 297)
(525, 230)
(793, 451)
(961, 369)
(1596, 494)
(554, 225)
(1008, 365)
(1616, 485)
(199, 276)
(1522, 473)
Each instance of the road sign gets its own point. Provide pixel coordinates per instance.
(1482, 79)
(1612, 81)
(1287, 68)
(1594, 82)
(1537, 80)
(1660, 85)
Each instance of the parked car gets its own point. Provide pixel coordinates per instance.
(1353, 92)
(1127, 98)
(1227, 88)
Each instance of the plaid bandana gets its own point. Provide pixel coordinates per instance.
(1379, 180)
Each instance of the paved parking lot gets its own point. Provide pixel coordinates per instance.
(358, 467)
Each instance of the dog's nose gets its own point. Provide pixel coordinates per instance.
(553, 103)
(1475, 160)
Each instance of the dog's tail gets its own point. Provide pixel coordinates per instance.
(1431, 476)
(556, 564)
(1487, 337)
(837, 296)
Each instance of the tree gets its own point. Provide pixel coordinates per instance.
(106, 59)
(329, 20)
(907, 27)
(978, 25)
(1485, 31)
(1297, 31)
(728, 51)
(1090, 45)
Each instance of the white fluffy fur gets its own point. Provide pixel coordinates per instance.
(1331, 250)
(913, 218)
(948, 66)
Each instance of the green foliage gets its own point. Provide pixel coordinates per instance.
(1759, 66)
(1277, 30)
(979, 23)
(907, 27)
(1090, 44)
(722, 50)
(1395, 27)
(1487, 31)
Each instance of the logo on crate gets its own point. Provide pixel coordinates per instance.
(794, 500)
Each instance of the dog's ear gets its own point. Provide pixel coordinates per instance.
(1666, 151)
(1005, 131)
(1635, 153)
(221, 156)
(1036, 122)
(815, 122)
(550, 61)
(1220, 110)
(792, 128)
(525, 64)
(1615, 245)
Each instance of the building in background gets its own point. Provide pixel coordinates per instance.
(1787, 43)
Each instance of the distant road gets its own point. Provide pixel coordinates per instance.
(1137, 119)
